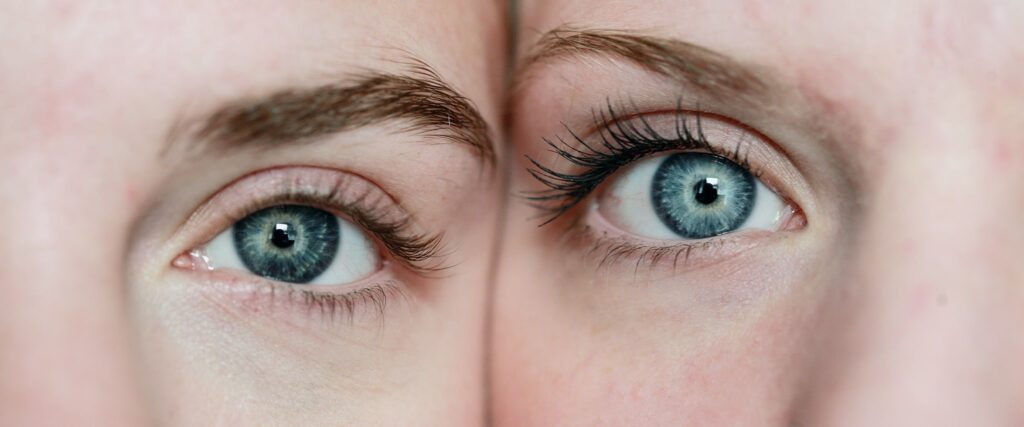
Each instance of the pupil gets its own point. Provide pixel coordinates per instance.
(282, 236)
(706, 191)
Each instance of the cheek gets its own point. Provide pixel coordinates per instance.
(613, 353)
(652, 383)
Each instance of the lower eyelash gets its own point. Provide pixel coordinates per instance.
(684, 255)
(622, 141)
(262, 297)
(333, 306)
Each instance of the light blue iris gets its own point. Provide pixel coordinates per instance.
(700, 195)
(291, 243)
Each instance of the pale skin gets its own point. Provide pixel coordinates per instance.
(890, 295)
(105, 322)
(896, 302)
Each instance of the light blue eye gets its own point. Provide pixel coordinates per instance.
(288, 243)
(295, 244)
(700, 195)
(689, 196)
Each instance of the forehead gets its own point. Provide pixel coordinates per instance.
(874, 60)
(89, 65)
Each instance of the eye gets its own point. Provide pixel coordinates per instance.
(295, 244)
(689, 196)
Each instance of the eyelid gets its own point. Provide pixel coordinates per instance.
(689, 130)
(345, 194)
(288, 303)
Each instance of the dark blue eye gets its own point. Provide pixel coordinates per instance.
(699, 195)
(290, 243)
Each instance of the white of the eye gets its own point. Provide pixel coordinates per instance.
(356, 258)
(627, 203)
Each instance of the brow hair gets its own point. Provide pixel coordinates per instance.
(671, 58)
(432, 106)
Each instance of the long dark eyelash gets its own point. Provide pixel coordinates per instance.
(622, 141)
(414, 250)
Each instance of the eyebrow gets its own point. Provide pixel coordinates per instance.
(675, 59)
(420, 96)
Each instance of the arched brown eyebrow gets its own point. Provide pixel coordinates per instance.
(676, 59)
(428, 104)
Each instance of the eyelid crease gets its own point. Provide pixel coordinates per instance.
(679, 60)
(350, 195)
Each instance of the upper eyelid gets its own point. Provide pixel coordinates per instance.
(626, 121)
(808, 111)
(276, 185)
(683, 62)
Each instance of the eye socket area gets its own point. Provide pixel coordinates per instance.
(689, 195)
(292, 243)
(372, 236)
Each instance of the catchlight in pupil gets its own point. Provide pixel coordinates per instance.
(282, 236)
(706, 191)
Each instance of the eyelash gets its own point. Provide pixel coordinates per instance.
(332, 306)
(393, 230)
(412, 249)
(621, 143)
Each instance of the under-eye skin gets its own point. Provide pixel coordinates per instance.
(316, 239)
(665, 188)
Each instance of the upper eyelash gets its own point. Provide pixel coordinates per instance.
(413, 249)
(622, 141)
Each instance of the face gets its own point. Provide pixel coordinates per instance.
(247, 213)
(790, 214)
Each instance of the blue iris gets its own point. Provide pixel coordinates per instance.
(699, 195)
(290, 243)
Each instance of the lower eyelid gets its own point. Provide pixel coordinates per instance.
(604, 243)
(600, 244)
(239, 294)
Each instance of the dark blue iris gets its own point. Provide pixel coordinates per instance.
(290, 243)
(699, 195)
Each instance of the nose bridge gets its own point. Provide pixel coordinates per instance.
(924, 311)
(64, 341)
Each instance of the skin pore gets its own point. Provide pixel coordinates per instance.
(135, 134)
(890, 294)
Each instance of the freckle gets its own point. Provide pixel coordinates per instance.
(131, 195)
(1002, 154)
(941, 300)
